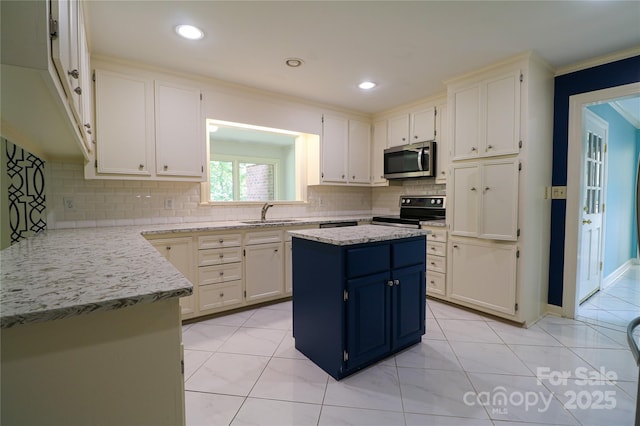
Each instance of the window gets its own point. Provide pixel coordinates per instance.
(256, 164)
(242, 179)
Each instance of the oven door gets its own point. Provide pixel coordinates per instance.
(404, 161)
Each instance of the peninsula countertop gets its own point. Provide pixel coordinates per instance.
(64, 273)
(358, 234)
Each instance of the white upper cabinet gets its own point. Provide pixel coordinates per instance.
(124, 124)
(147, 129)
(486, 117)
(398, 131)
(442, 143)
(377, 152)
(180, 140)
(422, 125)
(359, 152)
(335, 136)
(415, 126)
(346, 151)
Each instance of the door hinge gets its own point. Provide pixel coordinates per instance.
(95, 164)
(244, 252)
(519, 167)
(93, 76)
(603, 206)
(182, 366)
(518, 233)
(605, 147)
(200, 96)
(516, 307)
(345, 295)
(53, 28)
(345, 356)
(520, 144)
(601, 266)
(517, 254)
(322, 119)
(521, 77)
(435, 110)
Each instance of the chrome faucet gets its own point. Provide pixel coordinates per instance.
(263, 216)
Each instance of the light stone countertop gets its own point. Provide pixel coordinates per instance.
(358, 234)
(64, 273)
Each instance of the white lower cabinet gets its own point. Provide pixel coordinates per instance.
(264, 271)
(483, 275)
(179, 252)
(436, 261)
(214, 297)
(288, 267)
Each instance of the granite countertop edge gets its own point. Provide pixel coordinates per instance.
(68, 272)
(358, 235)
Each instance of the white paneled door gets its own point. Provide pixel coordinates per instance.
(593, 187)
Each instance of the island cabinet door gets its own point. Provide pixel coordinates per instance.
(368, 319)
(408, 305)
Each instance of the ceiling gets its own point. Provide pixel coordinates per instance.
(408, 48)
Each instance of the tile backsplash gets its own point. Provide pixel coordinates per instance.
(74, 202)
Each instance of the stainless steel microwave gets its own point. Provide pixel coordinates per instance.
(410, 161)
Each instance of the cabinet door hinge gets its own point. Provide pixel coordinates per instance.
(345, 356)
(202, 169)
(245, 294)
(93, 76)
(521, 77)
(322, 119)
(518, 233)
(516, 307)
(519, 166)
(345, 295)
(435, 110)
(244, 252)
(95, 164)
(322, 175)
(520, 144)
(200, 96)
(53, 28)
(182, 366)
(517, 254)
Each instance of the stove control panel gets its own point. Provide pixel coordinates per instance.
(423, 201)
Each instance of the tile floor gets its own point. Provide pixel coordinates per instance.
(243, 369)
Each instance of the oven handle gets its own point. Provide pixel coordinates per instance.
(420, 155)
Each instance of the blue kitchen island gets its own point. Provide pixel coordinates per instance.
(358, 294)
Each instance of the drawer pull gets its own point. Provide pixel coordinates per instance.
(221, 294)
(221, 255)
(221, 273)
(433, 248)
(433, 263)
(433, 282)
(221, 241)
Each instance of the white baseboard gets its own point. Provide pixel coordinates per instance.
(612, 277)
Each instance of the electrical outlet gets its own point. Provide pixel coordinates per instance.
(168, 203)
(69, 204)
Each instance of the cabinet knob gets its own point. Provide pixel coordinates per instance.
(432, 282)
(221, 273)
(221, 255)
(78, 90)
(141, 166)
(489, 147)
(433, 248)
(455, 246)
(221, 294)
(396, 282)
(342, 176)
(473, 148)
(74, 73)
(486, 188)
(87, 125)
(415, 137)
(404, 139)
(166, 167)
(353, 177)
(275, 250)
(168, 247)
(390, 283)
(221, 241)
(473, 188)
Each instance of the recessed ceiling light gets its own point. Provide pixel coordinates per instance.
(366, 85)
(294, 62)
(190, 32)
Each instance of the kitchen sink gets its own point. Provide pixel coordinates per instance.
(268, 221)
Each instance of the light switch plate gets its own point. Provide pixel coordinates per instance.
(558, 192)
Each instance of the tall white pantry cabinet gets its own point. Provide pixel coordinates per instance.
(500, 124)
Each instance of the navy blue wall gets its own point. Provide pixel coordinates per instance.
(601, 77)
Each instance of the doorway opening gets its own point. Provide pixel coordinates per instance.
(589, 265)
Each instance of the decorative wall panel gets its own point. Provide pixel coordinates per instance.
(24, 174)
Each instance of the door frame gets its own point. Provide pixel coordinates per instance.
(574, 185)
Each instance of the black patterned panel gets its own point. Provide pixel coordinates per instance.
(27, 203)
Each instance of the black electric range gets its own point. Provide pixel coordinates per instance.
(416, 210)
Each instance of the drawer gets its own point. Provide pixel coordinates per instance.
(220, 295)
(436, 249)
(368, 260)
(219, 256)
(219, 241)
(263, 237)
(219, 274)
(437, 264)
(407, 253)
(436, 282)
(437, 234)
